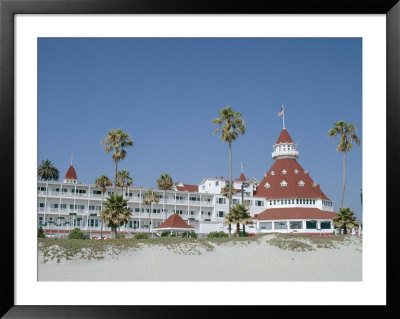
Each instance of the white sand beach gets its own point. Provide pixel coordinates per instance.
(234, 261)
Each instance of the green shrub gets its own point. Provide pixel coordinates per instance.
(165, 234)
(243, 235)
(77, 234)
(120, 236)
(40, 233)
(217, 234)
(141, 236)
(193, 234)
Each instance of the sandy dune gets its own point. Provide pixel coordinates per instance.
(256, 261)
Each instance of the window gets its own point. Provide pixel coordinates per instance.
(296, 171)
(220, 214)
(41, 204)
(235, 201)
(311, 224)
(297, 200)
(280, 225)
(283, 183)
(55, 189)
(221, 200)
(267, 185)
(272, 173)
(209, 213)
(217, 183)
(128, 194)
(301, 183)
(292, 201)
(259, 203)
(274, 202)
(266, 225)
(248, 202)
(285, 201)
(64, 190)
(270, 202)
(53, 205)
(96, 192)
(313, 201)
(296, 225)
(326, 225)
(63, 206)
(306, 201)
(284, 171)
(136, 210)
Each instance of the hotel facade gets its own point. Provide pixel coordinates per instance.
(286, 200)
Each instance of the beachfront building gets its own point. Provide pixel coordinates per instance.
(295, 203)
(286, 200)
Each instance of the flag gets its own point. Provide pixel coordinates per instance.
(281, 111)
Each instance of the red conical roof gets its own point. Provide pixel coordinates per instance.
(284, 137)
(174, 221)
(299, 184)
(71, 173)
(242, 178)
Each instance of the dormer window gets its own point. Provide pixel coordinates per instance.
(301, 183)
(283, 183)
(267, 185)
(296, 171)
(272, 173)
(284, 171)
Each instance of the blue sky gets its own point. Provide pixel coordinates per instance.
(165, 92)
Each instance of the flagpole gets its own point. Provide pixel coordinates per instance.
(283, 116)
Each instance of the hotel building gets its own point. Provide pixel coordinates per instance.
(286, 200)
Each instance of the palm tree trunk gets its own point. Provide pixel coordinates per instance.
(230, 230)
(344, 179)
(165, 203)
(230, 176)
(237, 229)
(101, 229)
(115, 176)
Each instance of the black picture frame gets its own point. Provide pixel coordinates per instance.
(8, 8)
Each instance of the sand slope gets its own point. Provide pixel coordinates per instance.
(256, 261)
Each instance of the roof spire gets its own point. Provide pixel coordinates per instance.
(72, 156)
(282, 112)
(241, 165)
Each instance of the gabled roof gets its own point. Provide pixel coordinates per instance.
(71, 173)
(174, 222)
(284, 137)
(294, 213)
(186, 187)
(242, 178)
(294, 177)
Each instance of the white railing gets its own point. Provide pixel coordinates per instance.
(281, 153)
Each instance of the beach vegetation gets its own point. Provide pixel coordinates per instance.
(40, 233)
(116, 141)
(190, 234)
(347, 133)
(231, 125)
(47, 171)
(76, 233)
(102, 182)
(239, 215)
(141, 236)
(116, 213)
(217, 234)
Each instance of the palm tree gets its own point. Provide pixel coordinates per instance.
(345, 219)
(103, 182)
(240, 215)
(116, 212)
(231, 126)
(165, 182)
(148, 199)
(229, 221)
(116, 141)
(124, 180)
(225, 190)
(47, 171)
(348, 134)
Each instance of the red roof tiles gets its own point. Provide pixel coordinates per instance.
(284, 137)
(70, 174)
(187, 188)
(174, 221)
(242, 178)
(292, 189)
(294, 213)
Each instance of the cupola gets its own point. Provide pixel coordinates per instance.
(285, 147)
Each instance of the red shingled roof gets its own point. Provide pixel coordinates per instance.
(294, 213)
(174, 221)
(70, 174)
(187, 188)
(242, 178)
(292, 190)
(284, 137)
